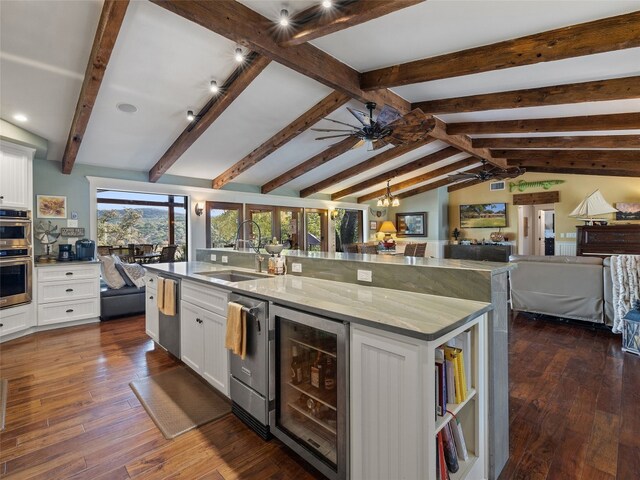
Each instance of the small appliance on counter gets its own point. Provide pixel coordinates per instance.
(85, 250)
(65, 252)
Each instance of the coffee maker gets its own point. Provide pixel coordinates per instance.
(65, 252)
(85, 249)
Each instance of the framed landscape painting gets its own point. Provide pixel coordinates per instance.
(628, 211)
(483, 215)
(51, 206)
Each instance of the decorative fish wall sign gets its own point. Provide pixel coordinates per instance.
(522, 185)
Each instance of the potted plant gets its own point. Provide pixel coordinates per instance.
(456, 233)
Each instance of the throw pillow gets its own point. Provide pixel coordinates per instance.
(135, 273)
(110, 274)
(123, 274)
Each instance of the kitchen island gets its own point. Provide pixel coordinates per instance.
(402, 330)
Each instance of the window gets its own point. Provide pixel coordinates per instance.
(263, 215)
(223, 220)
(348, 227)
(316, 229)
(126, 218)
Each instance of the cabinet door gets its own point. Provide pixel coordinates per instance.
(16, 319)
(15, 181)
(216, 357)
(385, 397)
(151, 314)
(191, 338)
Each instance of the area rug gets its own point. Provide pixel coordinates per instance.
(177, 401)
(4, 389)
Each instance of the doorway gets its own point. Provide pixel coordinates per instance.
(316, 231)
(545, 233)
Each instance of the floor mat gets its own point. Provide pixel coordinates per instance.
(177, 401)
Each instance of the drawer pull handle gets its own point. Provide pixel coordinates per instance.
(198, 320)
(150, 297)
(69, 273)
(1, 324)
(70, 310)
(69, 290)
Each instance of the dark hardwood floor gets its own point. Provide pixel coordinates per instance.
(575, 410)
(574, 403)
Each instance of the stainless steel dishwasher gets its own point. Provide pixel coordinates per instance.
(169, 325)
(249, 379)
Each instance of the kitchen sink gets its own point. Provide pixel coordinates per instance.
(234, 275)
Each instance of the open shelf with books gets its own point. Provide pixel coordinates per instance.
(396, 388)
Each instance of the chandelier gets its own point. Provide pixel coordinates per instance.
(387, 199)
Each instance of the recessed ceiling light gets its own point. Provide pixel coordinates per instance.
(284, 17)
(127, 108)
(214, 87)
(327, 3)
(239, 55)
(20, 117)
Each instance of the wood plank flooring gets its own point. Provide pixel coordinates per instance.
(574, 410)
(71, 414)
(574, 403)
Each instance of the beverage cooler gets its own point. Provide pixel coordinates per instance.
(309, 381)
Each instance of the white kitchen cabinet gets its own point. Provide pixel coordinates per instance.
(67, 292)
(15, 319)
(151, 312)
(393, 391)
(15, 176)
(202, 332)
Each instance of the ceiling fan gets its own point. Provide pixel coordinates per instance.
(390, 127)
(493, 173)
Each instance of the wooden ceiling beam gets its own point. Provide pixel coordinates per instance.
(233, 87)
(600, 90)
(323, 157)
(113, 12)
(462, 185)
(594, 164)
(616, 121)
(459, 165)
(317, 21)
(566, 155)
(594, 141)
(312, 116)
(396, 172)
(604, 35)
(246, 27)
(585, 171)
(361, 167)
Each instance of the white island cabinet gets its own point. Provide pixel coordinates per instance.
(203, 323)
(151, 306)
(394, 425)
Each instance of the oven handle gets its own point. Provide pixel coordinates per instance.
(15, 261)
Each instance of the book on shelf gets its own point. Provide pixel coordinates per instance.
(463, 342)
(441, 384)
(450, 380)
(450, 453)
(458, 438)
(442, 464)
(455, 358)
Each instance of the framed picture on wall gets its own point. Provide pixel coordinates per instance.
(51, 206)
(411, 224)
(373, 225)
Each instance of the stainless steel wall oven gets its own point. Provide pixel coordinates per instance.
(16, 264)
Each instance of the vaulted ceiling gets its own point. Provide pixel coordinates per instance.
(545, 85)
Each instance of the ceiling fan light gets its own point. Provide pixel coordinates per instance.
(284, 17)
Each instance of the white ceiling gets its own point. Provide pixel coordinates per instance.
(163, 63)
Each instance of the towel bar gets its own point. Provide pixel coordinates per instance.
(251, 310)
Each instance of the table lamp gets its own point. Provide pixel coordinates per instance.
(387, 228)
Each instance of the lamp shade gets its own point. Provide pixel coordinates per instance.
(387, 227)
(594, 204)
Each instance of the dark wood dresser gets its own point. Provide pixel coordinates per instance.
(490, 253)
(605, 240)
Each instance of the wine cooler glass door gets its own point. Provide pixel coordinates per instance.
(311, 388)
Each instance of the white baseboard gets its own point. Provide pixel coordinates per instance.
(42, 328)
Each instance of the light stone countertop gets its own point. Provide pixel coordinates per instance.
(493, 267)
(68, 264)
(413, 314)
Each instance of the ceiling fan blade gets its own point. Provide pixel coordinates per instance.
(388, 115)
(358, 144)
(410, 128)
(463, 176)
(342, 123)
(362, 117)
(334, 136)
(330, 130)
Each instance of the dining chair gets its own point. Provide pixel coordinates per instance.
(421, 249)
(368, 249)
(168, 254)
(104, 249)
(350, 248)
(410, 250)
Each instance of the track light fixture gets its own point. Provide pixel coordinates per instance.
(190, 115)
(213, 86)
(239, 55)
(284, 17)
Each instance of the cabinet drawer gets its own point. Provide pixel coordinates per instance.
(68, 290)
(209, 298)
(151, 280)
(15, 319)
(67, 311)
(70, 272)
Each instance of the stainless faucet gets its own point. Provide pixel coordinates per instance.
(259, 258)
